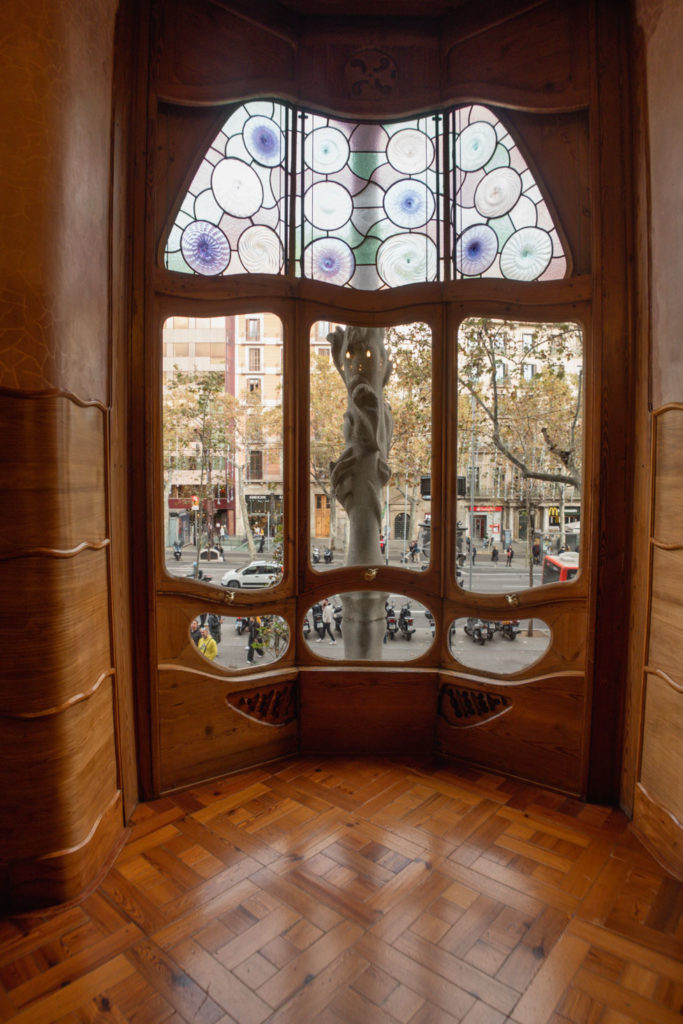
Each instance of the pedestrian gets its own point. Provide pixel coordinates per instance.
(413, 550)
(254, 637)
(214, 624)
(207, 645)
(262, 542)
(494, 554)
(536, 551)
(474, 554)
(328, 619)
(195, 631)
(509, 555)
(382, 543)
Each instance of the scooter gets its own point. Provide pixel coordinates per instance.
(177, 551)
(392, 623)
(307, 628)
(509, 628)
(405, 621)
(430, 619)
(327, 555)
(479, 630)
(317, 613)
(315, 555)
(240, 624)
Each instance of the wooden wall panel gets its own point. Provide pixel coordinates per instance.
(365, 711)
(668, 513)
(57, 781)
(661, 770)
(666, 613)
(55, 643)
(539, 735)
(53, 452)
(201, 736)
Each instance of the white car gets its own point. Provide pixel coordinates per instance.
(256, 574)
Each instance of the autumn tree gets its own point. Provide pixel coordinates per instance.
(523, 390)
(328, 402)
(409, 393)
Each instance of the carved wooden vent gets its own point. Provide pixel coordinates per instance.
(460, 706)
(274, 705)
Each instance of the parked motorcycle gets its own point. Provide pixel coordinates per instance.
(177, 551)
(479, 630)
(315, 555)
(392, 621)
(317, 613)
(508, 627)
(307, 628)
(405, 621)
(240, 624)
(338, 616)
(327, 555)
(430, 619)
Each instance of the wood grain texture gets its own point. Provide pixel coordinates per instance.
(356, 710)
(665, 649)
(659, 830)
(668, 481)
(363, 891)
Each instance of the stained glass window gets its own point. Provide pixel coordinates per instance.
(233, 219)
(370, 202)
(502, 224)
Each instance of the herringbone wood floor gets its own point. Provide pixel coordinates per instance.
(360, 891)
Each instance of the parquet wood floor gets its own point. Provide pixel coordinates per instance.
(367, 892)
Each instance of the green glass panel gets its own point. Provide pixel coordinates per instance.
(503, 227)
(367, 252)
(500, 158)
(363, 164)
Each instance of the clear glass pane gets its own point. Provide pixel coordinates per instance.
(520, 453)
(222, 449)
(370, 445)
(369, 626)
(240, 641)
(499, 647)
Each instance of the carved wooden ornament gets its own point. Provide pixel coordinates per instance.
(460, 706)
(272, 705)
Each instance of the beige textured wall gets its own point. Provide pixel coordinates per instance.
(58, 771)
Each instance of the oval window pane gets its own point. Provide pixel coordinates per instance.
(369, 626)
(240, 641)
(499, 647)
(520, 454)
(370, 445)
(222, 449)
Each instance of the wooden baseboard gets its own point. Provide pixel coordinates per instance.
(659, 831)
(65, 876)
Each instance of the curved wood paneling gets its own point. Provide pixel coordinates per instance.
(56, 642)
(53, 453)
(539, 736)
(661, 769)
(200, 736)
(57, 776)
(668, 497)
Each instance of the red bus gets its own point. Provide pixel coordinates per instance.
(559, 568)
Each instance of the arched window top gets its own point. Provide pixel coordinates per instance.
(375, 205)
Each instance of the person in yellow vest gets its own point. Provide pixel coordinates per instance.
(207, 645)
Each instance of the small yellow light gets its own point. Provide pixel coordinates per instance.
(368, 353)
(348, 355)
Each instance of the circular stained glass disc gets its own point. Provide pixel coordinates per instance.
(475, 146)
(476, 250)
(526, 254)
(327, 205)
(498, 192)
(205, 248)
(326, 150)
(260, 250)
(263, 139)
(408, 203)
(237, 187)
(410, 151)
(406, 259)
(330, 260)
